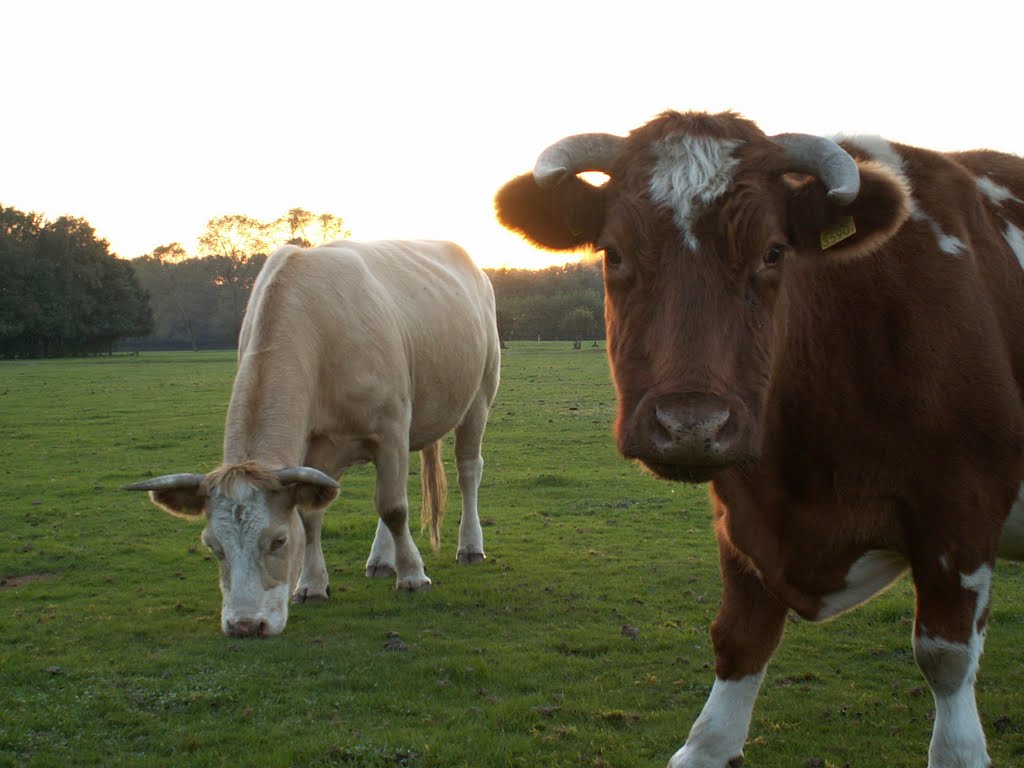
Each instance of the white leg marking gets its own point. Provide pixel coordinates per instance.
(314, 582)
(873, 572)
(471, 535)
(721, 730)
(1012, 544)
(958, 740)
(381, 561)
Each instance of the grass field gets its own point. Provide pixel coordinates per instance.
(581, 641)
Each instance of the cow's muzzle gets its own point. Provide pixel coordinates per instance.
(688, 437)
(246, 628)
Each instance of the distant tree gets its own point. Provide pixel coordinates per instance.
(61, 290)
(182, 294)
(230, 247)
(579, 322)
(20, 296)
(506, 322)
(305, 229)
(535, 304)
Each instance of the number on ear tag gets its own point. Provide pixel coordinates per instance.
(844, 229)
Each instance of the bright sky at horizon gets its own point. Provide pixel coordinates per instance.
(404, 118)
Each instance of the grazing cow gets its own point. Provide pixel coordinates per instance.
(833, 335)
(350, 352)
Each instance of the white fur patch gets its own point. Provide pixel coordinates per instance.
(979, 582)
(884, 152)
(948, 244)
(997, 193)
(720, 732)
(873, 572)
(1015, 239)
(691, 171)
(951, 669)
(879, 149)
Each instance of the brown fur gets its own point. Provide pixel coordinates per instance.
(874, 389)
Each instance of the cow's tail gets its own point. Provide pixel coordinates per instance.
(435, 492)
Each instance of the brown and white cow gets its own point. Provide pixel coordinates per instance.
(350, 352)
(833, 335)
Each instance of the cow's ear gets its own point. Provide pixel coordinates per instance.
(566, 217)
(312, 496)
(181, 495)
(818, 225)
(186, 503)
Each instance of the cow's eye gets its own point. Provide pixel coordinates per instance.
(773, 256)
(276, 544)
(612, 258)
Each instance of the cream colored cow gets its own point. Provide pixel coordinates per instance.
(349, 353)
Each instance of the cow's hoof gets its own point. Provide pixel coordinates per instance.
(470, 557)
(380, 571)
(311, 595)
(413, 585)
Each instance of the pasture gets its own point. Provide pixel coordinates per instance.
(581, 641)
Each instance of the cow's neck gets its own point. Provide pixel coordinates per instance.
(268, 415)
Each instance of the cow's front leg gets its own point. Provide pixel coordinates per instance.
(392, 502)
(381, 562)
(744, 634)
(949, 635)
(313, 583)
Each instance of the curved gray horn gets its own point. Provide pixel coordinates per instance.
(166, 482)
(826, 161)
(290, 475)
(576, 154)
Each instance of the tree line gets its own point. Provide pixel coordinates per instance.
(63, 293)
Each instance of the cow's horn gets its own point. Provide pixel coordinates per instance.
(166, 482)
(290, 475)
(826, 161)
(576, 154)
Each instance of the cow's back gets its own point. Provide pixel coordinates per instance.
(362, 331)
(1000, 213)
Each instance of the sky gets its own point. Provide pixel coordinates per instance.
(404, 118)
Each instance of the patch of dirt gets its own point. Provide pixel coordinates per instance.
(12, 582)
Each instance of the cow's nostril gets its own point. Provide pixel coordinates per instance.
(691, 421)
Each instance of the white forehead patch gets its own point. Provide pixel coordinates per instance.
(242, 512)
(691, 171)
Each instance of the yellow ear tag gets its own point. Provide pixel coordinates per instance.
(844, 229)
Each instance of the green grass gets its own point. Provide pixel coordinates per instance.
(111, 654)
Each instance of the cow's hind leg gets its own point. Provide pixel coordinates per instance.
(381, 562)
(392, 502)
(313, 583)
(470, 466)
(949, 635)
